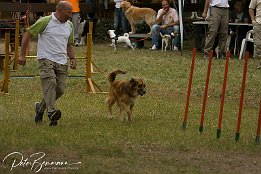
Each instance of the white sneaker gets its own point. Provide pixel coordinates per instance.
(175, 48)
(154, 47)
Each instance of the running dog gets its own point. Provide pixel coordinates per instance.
(136, 15)
(121, 39)
(125, 93)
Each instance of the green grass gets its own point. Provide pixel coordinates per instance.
(154, 141)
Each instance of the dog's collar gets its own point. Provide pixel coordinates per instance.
(127, 9)
(115, 38)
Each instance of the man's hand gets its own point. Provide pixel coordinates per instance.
(21, 61)
(73, 63)
(164, 27)
(253, 21)
(204, 14)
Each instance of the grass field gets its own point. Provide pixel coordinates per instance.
(154, 141)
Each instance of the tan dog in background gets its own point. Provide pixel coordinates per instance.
(136, 15)
(124, 92)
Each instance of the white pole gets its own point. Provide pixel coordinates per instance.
(181, 23)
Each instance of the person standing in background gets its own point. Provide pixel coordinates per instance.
(75, 17)
(218, 19)
(120, 19)
(255, 5)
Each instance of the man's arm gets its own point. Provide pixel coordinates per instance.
(252, 15)
(160, 16)
(204, 14)
(159, 19)
(70, 53)
(24, 46)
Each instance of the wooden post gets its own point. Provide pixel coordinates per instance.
(90, 87)
(90, 31)
(90, 27)
(6, 68)
(15, 66)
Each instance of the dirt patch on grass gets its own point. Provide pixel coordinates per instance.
(202, 161)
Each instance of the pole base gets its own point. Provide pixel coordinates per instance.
(237, 136)
(184, 125)
(218, 133)
(257, 139)
(201, 129)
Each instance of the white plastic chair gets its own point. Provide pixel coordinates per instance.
(249, 38)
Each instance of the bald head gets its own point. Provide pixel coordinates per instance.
(63, 11)
(64, 5)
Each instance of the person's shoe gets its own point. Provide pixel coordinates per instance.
(38, 118)
(175, 48)
(154, 47)
(54, 117)
(259, 66)
(206, 55)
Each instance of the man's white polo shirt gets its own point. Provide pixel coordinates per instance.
(53, 37)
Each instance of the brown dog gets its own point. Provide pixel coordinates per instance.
(125, 92)
(136, 15)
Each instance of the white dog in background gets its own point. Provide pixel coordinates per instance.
(166, 39)
(121, 39)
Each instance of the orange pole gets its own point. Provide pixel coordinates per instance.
(223, 95)
(242, 97)
(258, 124)
(206, 92)
(189, 87)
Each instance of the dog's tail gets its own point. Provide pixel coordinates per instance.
(126, 35)
(161, 35)
(112, 75)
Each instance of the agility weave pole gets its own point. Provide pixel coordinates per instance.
(189, 87)
(206, 92)
(242, 97)
(5, 81)
(258, 124)
(228, 55)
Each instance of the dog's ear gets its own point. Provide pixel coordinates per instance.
(133, 82)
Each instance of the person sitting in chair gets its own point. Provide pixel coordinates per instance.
(238, 15)
(167, 21)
